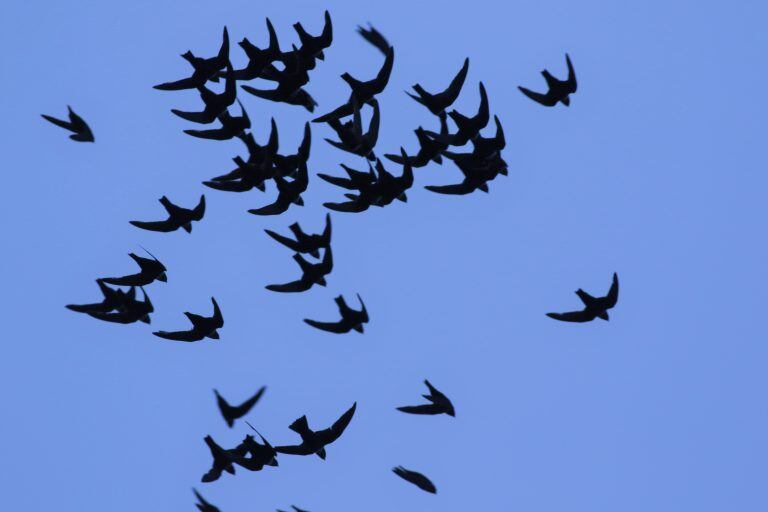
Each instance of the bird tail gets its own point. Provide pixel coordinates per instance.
(300, 426)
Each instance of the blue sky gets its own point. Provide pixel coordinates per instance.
(656, 171)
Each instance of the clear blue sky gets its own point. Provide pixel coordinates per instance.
(656, 171)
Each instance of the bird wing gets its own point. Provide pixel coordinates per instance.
(276, 208)
(334, 327)
(204, 117)
(161, 226)
(545, 99)
(613, 294)
(189, 336)
(215, 134)
(242, 409)
(355, 206)
(289, 243)
(199, 210)
(341, 424)
(300, 285)
(217, 316)
(58, 122)
(573, 316)
(374, 37)
(421, 409)
(300, 449)
(458, 189)
(116, 318)
(185, 83)
(454, 88)
(571, 81)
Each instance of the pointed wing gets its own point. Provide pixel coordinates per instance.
(341, 424)
(430, 409)
(545, 99)
(458, 189)
(571, 81)
(573, 316)
(613, 294)
(334, 327)
(185, 83)
(300, 449)
(374, 37)
(215, 134)
(454, 88)
(289, 243)
(355, 206)
(243, 409)
(204, 117)
(161, 226)
(199, 211)
(294, 286)
(188, 336)
(58, 122)
(116, 318)
(217, 316)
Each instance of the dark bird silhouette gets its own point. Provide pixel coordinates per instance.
(362, 92)
(202, 505)
(215, 104)
(253, 172)
(477, 173)
(289, 192)
(429, 149)
(439, 404)
(299, 97)
(468, 127)
(316, 441)
(202, 327)
(375, 188)
(305, 243)
(351, 319)
(222, 459)
(417, 479)
(234, 412)
(489, 147)
(261, 455)
(76, 124)
(114, 299)
(314, 45)
(352, 138)
(559, 90)
(231, 126)
(594, 307)
(258, 59)
(130, 312)
(150, 270)
(205, 69)
(288, 165)
(437, 103)
(312, 274)
(374, 37)
(178, 217)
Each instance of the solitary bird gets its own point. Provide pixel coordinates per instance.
(202, 505)
(178, 217)
(234, 412)
(312, 274)
(314, 442)
(150, 271)
(215, 104)
(76, 124)
(416, 478)
(114, 299)
(305, 243)
(205, 69)
(261, 454)
(258, 59)
(351, 319)
(438, 102)
(202, 327)
(440, 404)
(594, 307)
(130, 312)
(559, 90)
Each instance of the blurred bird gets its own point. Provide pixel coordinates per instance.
(374, 37)
(417, 479)
(352, 138)
(76, 124)
(234, 412)
(289, 192)
(429, 148)
(437, 103)
(559, 90)
(231, 126)
(204, 506)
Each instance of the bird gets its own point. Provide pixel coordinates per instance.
(429, 149)
(299, 97)
(351, 319)
(202, 327)
(234, 412)
(114, 299)
(150, 270)
(76, 124)
(231, 126)
(261, 455)
(132, 311)
(594, 307)
(314, 45)
(468, 127)
(205, 69)
(314, 442)
(351, 136)
(305, 243)
(416, 478)
(178, 217)
(223, 459)
(362, 92)
(204, 506)
(215, 104)
(438, 102)
(289, 192)
(477, 173)
(374, 37)
(559, 90)
(295, 509)
(439, 404)
(288, 165)
(258, 59)
(312, 274)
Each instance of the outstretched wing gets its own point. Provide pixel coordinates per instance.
(161, 226)
(545, 99)
(300, 449)
(341, 424)
(58, 122)
(571, 74)
(185, 83)
(276, 208)
(421, 409)
(215, 134)
(334, 327)
(573, 316)
(293, 287)
(289, 243)
(613, 294)
(188, 336)
(459, 189)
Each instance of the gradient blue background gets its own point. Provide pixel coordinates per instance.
(656, 171)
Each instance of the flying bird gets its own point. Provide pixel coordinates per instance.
(215, 104)
(429, 149)
(288, 165)
(231, 126)
(258, 59)
(114, 299)
(594, 307)
(205, 69)
(559, 90)
(468, 127)
(150, 270)
(438, 102)
(417, 479)
(312, 274)
(351, 319)
(76, 124)
(314, 45)
(234, 412)
(351, 136)
(131, 311)
(223, 459)
(202, 505)
(305, 243)
(261, 455)
(178, 217)
(439, 404)
(202, 327)
(314, 442)
(374, 37)
(289, 192)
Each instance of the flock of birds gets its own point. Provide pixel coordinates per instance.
(289, 71)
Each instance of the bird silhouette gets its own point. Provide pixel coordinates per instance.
(150, 270)
(76, 124)
(438, 102)
(439, 404)
(416, 478)
(314, 442)
(305, 243)
(202, 327)
(351, 319)
(215, 104)
(113, 299)
(594, 307)
(374, 37)
(202, 505)
(235, 412)
(559, 90)
(130, 312)
(204, 69)
(178, 217)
